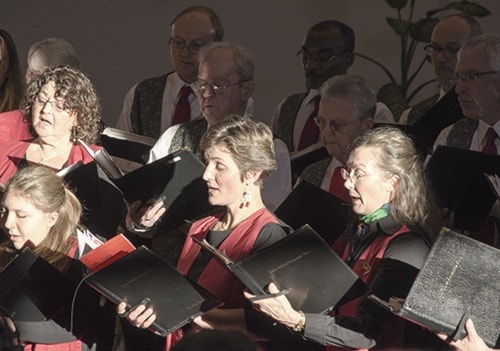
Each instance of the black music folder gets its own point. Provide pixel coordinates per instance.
(83, 180)
(459, 280)
(144, 277)
(175, 179)
(457, 177)
(126, 145)
(31, 289)
(303, 264)
(444, 113)
(324, 212)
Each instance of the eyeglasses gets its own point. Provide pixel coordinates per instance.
(216, 88)
(180, 44)
(324, 56)
(334, 126)
(449, 52)
(465, 77)
(57, 106)
(354, 175)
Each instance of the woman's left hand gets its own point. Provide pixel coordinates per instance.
(278, 308)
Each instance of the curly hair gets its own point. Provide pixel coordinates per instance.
(11, 90)
(414, 203)
(47, 192)
(250, 142)
(80, 97)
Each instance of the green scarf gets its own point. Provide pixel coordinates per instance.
(375, 215)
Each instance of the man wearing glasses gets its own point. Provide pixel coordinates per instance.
(327, 51)
(224, 86)
(154, 104)
(347, 110)
(448, 35)
(477, 83)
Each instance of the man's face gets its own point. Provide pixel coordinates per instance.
(189, 33)
(479, 97)
(447, 37)
(339, 126)
(219, 68)
(324, 56)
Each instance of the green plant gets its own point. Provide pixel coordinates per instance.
(397, 95)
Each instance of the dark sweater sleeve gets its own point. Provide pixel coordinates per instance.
(397, 271)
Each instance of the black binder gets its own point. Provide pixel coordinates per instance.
(142, 274)
(177, 178)
(126, 145)
(316, 277)
(457, 176)
(31, 289)
(459, 280)
(83, 180)
(324, 212)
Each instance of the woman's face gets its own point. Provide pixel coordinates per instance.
(369, 187)
(50, 118)
(223, 177)
(24, 221)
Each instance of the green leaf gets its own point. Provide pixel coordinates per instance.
(470, 8)
(392, 95)
(431, 13)
(399, 26)
(397, 4)
(422, 30)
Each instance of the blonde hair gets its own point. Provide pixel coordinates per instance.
(250, 142)
(47, 192)
(413, 203)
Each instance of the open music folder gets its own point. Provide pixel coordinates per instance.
(302, 263)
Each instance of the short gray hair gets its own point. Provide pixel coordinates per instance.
(245, 67)
(486, 43)
(52, 52)
(353, 89)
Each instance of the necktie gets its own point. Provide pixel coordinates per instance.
(337, 186)
(182, 111)
(489, 146)
(310, 133)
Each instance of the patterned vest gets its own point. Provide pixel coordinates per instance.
(461, 133)
(188, 136)
(287, 117)
(419, 109)
(315, 172)
(146, 107)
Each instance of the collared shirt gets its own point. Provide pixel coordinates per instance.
(478, 138)
(382, 114)
(170, 97)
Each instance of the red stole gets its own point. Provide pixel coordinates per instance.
(216, 278)
(366, 267)
(13, 127)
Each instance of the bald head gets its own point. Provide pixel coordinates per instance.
(449, 34)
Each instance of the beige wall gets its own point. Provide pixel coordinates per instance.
(120, 42)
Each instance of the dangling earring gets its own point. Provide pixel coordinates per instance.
(74, 134)
(246, 197)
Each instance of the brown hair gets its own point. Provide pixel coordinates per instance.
(79, 95)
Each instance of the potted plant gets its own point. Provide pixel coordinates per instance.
(397, 95)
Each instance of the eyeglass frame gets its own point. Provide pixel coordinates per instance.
(353, 177)
(300, 56)
(216, 88)
(39, 100)
(448, 51)
(466, 77)
(333, 126)
(181, 45)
